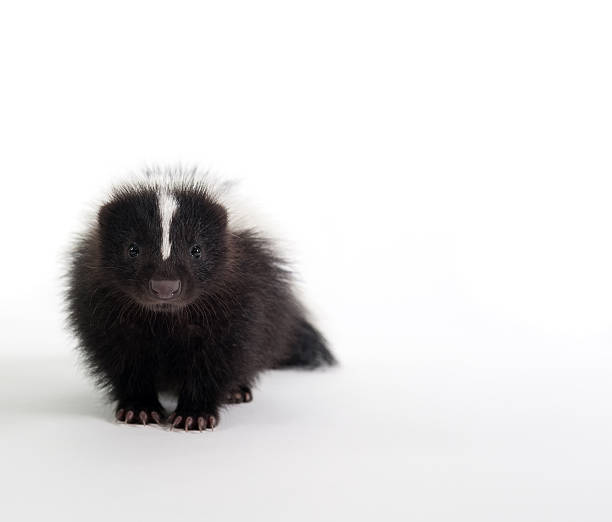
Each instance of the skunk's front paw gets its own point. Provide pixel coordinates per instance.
(191, 421)
(139, 414)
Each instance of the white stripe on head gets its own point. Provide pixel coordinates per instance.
(167, 206)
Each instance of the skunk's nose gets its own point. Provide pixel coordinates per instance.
(164, 289)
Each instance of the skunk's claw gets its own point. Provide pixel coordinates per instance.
(177, 420)
(145, 416)
(192, 422)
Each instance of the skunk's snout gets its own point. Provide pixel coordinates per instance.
(165, 289)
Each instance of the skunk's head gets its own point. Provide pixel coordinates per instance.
(162, 245)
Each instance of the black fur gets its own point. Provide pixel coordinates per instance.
(236, 314)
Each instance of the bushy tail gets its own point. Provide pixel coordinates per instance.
(310, 349)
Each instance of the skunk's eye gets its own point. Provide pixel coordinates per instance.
(196, 251)
(133, 251)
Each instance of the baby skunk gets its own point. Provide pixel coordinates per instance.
(164, 297)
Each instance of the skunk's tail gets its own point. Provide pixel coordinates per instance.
(310, 349)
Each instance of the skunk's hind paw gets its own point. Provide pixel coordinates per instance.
(238, 395)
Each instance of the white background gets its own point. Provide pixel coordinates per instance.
(440, 174)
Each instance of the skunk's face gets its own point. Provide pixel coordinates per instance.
(162, 248)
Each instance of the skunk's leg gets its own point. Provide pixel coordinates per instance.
(137, 399)
(198, 403)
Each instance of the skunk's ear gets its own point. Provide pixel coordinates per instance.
(220, 215)
(213, 214)
(105, 214)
